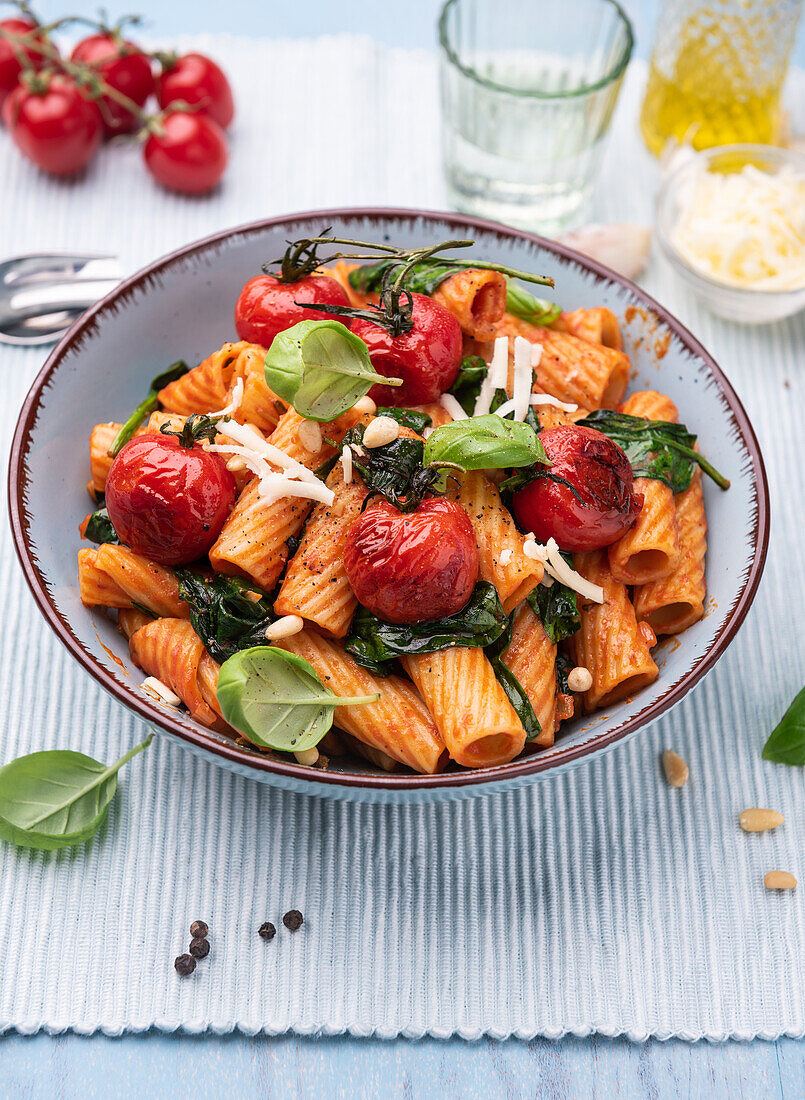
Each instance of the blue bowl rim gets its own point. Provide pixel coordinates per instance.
(204, 739)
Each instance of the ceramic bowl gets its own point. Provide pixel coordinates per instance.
(181, 307)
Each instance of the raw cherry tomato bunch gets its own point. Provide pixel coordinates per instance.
(57, 110)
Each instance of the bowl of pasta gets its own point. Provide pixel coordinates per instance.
(388, 504)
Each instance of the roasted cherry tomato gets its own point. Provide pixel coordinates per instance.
(53, 123)
(10, 63)
(197, 80)
(427, 358)
(598, 503)
(124, 67)
(187, 153)
(415, 566)
(166, 501)
(267, 306)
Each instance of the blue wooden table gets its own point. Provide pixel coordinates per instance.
(153, 1064)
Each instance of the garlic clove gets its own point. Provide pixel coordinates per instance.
(622, 247)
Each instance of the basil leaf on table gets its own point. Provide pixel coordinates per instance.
(147, 405)
(556, 608)
(98, 527)
(471, 373)
(58, 798)
(395, 470)
(786, 745)
(515, 692)
(537, 311)
(277, 700)
(222, 614)
(484, 443)
(409, 418)
(321, 368)
(658, 449)
(376, 644)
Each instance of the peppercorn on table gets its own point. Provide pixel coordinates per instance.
(602, 901)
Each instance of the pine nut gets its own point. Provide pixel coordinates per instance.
(365, 405)
(758, 821)
(309, 435)
(284, 627)
(580, 679)
(159, 691)
(675, 768)
(382, 430)
(307, 756)
(779, 880)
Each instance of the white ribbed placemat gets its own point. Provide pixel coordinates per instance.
(598, 901)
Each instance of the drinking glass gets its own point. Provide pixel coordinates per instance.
(528, 89)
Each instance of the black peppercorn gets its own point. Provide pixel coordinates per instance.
(199, 947)
(185, 964)
(198, 929)
(267, 931)
(293, 920)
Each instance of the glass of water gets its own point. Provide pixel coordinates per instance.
(528, 88)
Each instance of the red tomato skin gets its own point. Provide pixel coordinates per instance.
(125, 68)
(168, 502)
(10, 65)
(427, 358)
(58, 129)
(189, 156)
(602, 475)
(199, 81)
(267, 306)
(412, 567)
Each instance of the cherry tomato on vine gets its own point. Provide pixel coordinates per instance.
(597, 504)
(197, 80)
(186, 152)
(52, 122)
(124, 67)
(427, 358)
(412, 567)
(10, 62)
(267, 306)
(166, 501)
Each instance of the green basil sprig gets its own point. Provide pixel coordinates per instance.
(409, 418)
(147, 405)
(485, 443)
(221, 613)
(277, 700)
(786, 745)
(376, 644)
(58, 798)
(99, 527)
(321, 368)
(471, 373)
(395, 470)
(515, 692)
(556, 608)
(537, 311)
(657, 449)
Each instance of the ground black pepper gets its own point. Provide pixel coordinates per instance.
(267, 931)
(185, 964)
(199, 947)
(198, 929)
(293, 920)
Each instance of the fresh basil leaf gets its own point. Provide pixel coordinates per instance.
(471, 373)
(58, 798)
(423, 278)
(556, 607)
(484, 443)
(657, 449)
(276, 699)
(321, 368)
(394, 470)
(786, 745)
(409, 418)
(98, 527)
(221, 613)
(376, 644)
(515, 692)
(537, 311)
(147, 405)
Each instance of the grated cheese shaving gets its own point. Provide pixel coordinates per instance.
(346, 463)
(521, 390)
(743, 228)
(234, 404)
(451, 404)
(556, 566)
(496, 377)
(554, 402)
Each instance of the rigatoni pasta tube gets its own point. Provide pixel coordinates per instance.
(100, 461)
(397, 724)
(676, 602)
(170, 650)
(649, 550)
(114, 576)
(598, 325)
(500, 544)
(609, 642)
(477, 300)
(531, 656)
(471, 710)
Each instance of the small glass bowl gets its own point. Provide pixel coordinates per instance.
(743, 304)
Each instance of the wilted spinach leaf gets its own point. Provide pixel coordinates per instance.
(537, 311)
(222, 615)
(515, 692)
(395, 470)
(556, 608)
(467, 386)
(98, 526)
(409, 418)
(564, 666)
